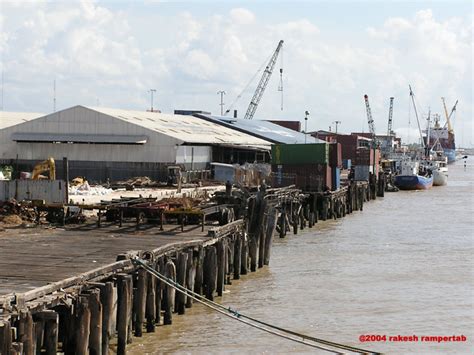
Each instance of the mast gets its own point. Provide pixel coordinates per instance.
(412, 95)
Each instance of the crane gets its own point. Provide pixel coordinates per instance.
(370, 121)
(450, 128)
(390, 112)
(257, 96)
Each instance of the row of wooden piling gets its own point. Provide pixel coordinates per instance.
(297, 213)
(128, 304)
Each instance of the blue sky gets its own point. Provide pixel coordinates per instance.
(109, 53)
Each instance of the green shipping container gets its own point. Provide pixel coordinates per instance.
(315, 153)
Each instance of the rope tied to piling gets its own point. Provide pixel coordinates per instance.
(253, 322)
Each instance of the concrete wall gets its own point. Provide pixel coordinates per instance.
(52, 191)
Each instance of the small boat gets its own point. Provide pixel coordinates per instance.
(413, 176)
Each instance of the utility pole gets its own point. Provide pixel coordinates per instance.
(222, 93)
(151, 98)
(337, 123)
(306, 114)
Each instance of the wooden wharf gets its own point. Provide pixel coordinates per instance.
(72, 290)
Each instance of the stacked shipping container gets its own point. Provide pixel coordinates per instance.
(305, 165)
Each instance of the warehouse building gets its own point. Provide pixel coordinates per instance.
(103, 143)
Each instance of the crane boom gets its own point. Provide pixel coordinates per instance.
(390, 113)
(450, 128)
(257, 96)
(370, 121)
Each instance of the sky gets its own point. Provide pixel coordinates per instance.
(111, 53)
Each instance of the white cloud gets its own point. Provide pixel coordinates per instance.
(242, 16)
(94, 52)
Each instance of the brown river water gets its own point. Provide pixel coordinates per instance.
(403, 266)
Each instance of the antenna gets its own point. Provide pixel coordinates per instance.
(151, 93)
(54, 95)
(222, 93)
(280, 85)
(2, 89)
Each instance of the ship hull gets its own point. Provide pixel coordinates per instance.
(439, 178)
(413, 182)
(450, 154)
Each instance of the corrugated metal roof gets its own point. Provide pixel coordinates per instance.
(79, 138)
(262, 129)
(189, 129)
(8, 119)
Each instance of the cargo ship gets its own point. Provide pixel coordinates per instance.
(444, 135)
(445, 138)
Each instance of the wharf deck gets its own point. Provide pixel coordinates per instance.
(31, 258)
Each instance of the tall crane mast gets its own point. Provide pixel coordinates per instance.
(390, 113)
(370, 121)
(450, 128)
(257, 96)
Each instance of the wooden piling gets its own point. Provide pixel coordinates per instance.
(5, 337)
(150, 310)
(159, 286)
(83, 318)
(95, 338)
(180, 300)
(124, 309)
(221, 251)
(191, 275)
(229, 260)
(198, 280)
(51, 321)
(210, 272)
(237, 256)
(169, 293)
(269, 231)
(108, 328)
(25, 332)
(244, 255)
(140, 301)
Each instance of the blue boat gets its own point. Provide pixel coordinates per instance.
(413, 182)
(410, 179)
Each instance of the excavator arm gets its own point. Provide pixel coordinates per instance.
(46, 165)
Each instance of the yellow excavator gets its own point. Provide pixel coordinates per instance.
(45, 165)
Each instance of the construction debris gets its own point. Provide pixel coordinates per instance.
(86, 190)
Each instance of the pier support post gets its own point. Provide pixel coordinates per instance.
(83, 319)
(169, 293)
(220, 266)
(245, 255)
(210, 272)
(269, 230)
(159, 286)
(95, 338)
(150, 311)
(180, 303)
(108, 326)
(198, 280)
(191, 275)
(5, 337)
(140, 301)
(124, 309)
(237, 255)
(25, 332)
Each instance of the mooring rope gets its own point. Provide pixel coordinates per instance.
(234, 314)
